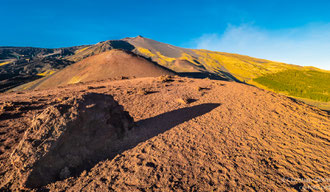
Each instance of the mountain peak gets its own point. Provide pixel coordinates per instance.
(134, 38)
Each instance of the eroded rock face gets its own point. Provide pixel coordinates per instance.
(68, 138)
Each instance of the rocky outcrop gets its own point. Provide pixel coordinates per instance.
(68, 138)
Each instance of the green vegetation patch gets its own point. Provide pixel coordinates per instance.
(299, 83)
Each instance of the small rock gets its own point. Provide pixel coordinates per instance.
(185, 100)
(165, 78)
(142, 92)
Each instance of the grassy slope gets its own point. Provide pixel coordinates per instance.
(168, 61)
(306, 83)
(4, 63)
(243, 67)
(47, 73)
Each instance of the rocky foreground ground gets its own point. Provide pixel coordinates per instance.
(161, 134)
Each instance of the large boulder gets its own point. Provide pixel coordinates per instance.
(68, 138)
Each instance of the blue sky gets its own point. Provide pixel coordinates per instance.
(296, 32)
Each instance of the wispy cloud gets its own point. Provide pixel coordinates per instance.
(307, 46)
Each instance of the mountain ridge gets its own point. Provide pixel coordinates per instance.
(187, 62)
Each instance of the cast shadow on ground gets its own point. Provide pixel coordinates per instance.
(144, 130)
(163, 122)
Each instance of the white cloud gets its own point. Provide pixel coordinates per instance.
(307, 46)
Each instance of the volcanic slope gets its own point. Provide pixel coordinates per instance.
(19, 65)
(111, 64)
(190, 135)
(309, 84)
(305, 83)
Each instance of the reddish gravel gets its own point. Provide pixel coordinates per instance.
(190, 135)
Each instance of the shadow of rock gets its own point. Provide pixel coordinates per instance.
(155, 125)
(68, 138)
(74, 136)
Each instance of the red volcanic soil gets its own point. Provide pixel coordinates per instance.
(110, 64)
(188, 135)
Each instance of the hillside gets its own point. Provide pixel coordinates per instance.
(241, 68)
(19, 65)
(107, 65)
(290, 80)
(188, 135)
